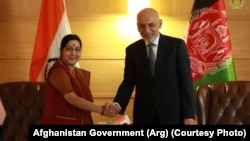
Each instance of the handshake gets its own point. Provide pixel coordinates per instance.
(111, 109)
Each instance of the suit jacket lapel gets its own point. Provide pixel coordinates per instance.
(141, 52)
(161, 52)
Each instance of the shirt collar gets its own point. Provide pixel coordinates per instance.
(156, 41)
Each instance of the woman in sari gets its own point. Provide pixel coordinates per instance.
(68, 98)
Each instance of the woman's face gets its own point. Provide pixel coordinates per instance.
(71, 53)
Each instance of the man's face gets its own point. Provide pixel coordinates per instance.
(148, 24)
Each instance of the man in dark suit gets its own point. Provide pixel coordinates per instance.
(166, 95)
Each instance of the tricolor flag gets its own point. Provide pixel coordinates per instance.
(208, 43)
(52, 27)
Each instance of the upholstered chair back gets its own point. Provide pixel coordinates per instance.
(224, 103)
(23, 102)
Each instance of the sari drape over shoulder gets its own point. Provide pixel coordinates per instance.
(56, 109)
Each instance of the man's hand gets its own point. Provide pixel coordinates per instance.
(111, 109)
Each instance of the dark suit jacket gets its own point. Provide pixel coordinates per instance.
(168, 94)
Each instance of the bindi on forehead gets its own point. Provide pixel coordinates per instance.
(73, 44)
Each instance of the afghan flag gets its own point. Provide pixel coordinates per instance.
(208, 43)
(52, 27)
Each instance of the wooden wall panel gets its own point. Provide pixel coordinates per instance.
(17, 38)
(106, 75)
(14, 70)
(82, 8)
(239, 34)
(242, 14)
(242, 68)
(19, 10)
(109, 38)
(102, 39)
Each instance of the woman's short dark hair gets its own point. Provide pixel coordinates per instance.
(68, 38)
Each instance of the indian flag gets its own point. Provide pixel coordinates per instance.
(53, 25)
(208, 42)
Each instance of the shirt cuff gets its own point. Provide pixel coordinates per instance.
(118, 105)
